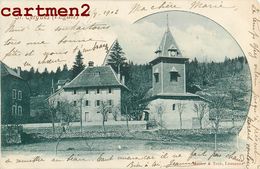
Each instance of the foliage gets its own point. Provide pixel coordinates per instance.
(180, 109)
(104, 109)
(230, 77)
(67, 112)
(117, 59)
(200, 109)
(78, 65)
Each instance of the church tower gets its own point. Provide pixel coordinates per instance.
(168, 67)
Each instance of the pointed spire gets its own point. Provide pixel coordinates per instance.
(168, 46)
(167, 23)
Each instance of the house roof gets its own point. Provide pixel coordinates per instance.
(5, 70)
(181, 96)
(168, 42)
(95, 77)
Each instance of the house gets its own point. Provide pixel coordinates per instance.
(169, 104)
(15, 96)
(94, 87)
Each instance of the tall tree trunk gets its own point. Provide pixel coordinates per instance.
(180, 121)
(103, 123)
(53, 124)
(216, 141)
(127, 119)
(200, 123)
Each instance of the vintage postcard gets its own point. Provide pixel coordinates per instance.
(130, 84)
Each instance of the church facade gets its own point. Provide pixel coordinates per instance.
(169, 105)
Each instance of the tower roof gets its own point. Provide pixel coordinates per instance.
(168, 42)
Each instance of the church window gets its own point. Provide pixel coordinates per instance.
(173, 77)
(156, 77)
(173, 107)
(74, 91)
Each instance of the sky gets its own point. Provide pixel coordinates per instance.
(196, 36)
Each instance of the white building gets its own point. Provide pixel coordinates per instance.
(169, 105)
(89, 90)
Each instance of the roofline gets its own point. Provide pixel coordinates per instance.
(179, 97)
(173, 59)
(53, 94)
(103, 86)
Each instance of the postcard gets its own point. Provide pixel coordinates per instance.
(130, 84)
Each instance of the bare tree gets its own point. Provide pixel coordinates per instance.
(115, 111)
(66, 113)
(180, 108)
(104, 109)
(200, 109)
(160, 109)
(217, 111)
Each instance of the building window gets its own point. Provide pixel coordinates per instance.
(173, 107)
(14, 94)
(98, 112)
(87, 103)
(20, 95)
(58, 103)
(86, 91)
(109, 90)
(75, 91)
(75, 103)
(20, 110)
(14, 110)
(173, 76)
(110, 102)
(98, 91)
(98, 102)
(156, 77)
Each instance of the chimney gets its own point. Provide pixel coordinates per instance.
(90, 64)
(19, 71)
(123, 80)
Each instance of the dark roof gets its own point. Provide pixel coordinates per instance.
(95, 77)
(181, 96)
(168, 42)
(181, 60)
(5, 70)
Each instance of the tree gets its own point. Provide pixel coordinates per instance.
(216, 112)
(52, 109)
(200, 109)
(160, 109)
(180, 108)
(104, 109)
(67, 112)
(78, 65)
(117, 58)
(115, 111)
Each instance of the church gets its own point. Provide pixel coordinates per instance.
(168, 103)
